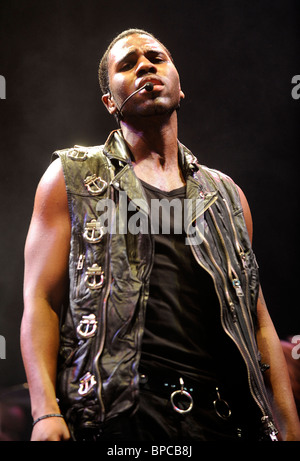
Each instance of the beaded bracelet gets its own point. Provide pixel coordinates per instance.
(51, 415)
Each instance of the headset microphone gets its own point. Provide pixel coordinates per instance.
(148, 87)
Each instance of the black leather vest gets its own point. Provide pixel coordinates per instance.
(103, 324)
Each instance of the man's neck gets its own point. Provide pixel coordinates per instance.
(153, 144)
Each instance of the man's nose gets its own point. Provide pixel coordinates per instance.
(145, 66)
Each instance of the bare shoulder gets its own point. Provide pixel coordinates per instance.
(52, 180)
(48, 240)
(51, 194)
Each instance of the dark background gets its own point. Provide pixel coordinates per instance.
(236, 59)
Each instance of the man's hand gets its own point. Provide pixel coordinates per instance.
(50, 430)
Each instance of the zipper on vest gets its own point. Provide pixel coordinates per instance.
(238, 246)
(246, 357)
(232, 274)
(80, 262)
(80, 265)
(228, 299)
(207, 246)
(240, 294)
(242, 255)
(101, 345)
(103, 321)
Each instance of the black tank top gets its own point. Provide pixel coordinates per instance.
(182, 305)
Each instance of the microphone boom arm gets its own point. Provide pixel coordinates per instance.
(148, 86)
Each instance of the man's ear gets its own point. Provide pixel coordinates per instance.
(109, 103)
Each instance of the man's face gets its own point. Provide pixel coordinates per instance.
(133, 61)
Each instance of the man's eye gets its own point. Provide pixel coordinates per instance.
(158, 59)
(126, 66)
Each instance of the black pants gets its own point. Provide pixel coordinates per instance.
(156, 420)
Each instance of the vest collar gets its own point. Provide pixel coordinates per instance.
(115, 148)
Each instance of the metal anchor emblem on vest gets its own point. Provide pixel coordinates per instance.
(94, 277)
(93, 232)
(95, 185)
(87, 326)
(78, 153)
(86, 383)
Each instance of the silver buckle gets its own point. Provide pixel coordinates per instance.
(93, 232)
(95, 185)
(86, 383)
(221, 407)
(87, 326)
(182, 392)
(78, 153)
(94, 277)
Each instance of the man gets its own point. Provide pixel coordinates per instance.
(158, 336)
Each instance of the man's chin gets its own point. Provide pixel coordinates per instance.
(158, 109)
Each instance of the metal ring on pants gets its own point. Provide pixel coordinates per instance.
(224, 412)
(186, 394)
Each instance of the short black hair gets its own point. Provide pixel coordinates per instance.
(103, 66)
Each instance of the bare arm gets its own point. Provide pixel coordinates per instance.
(45, 285)
(277, 377)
